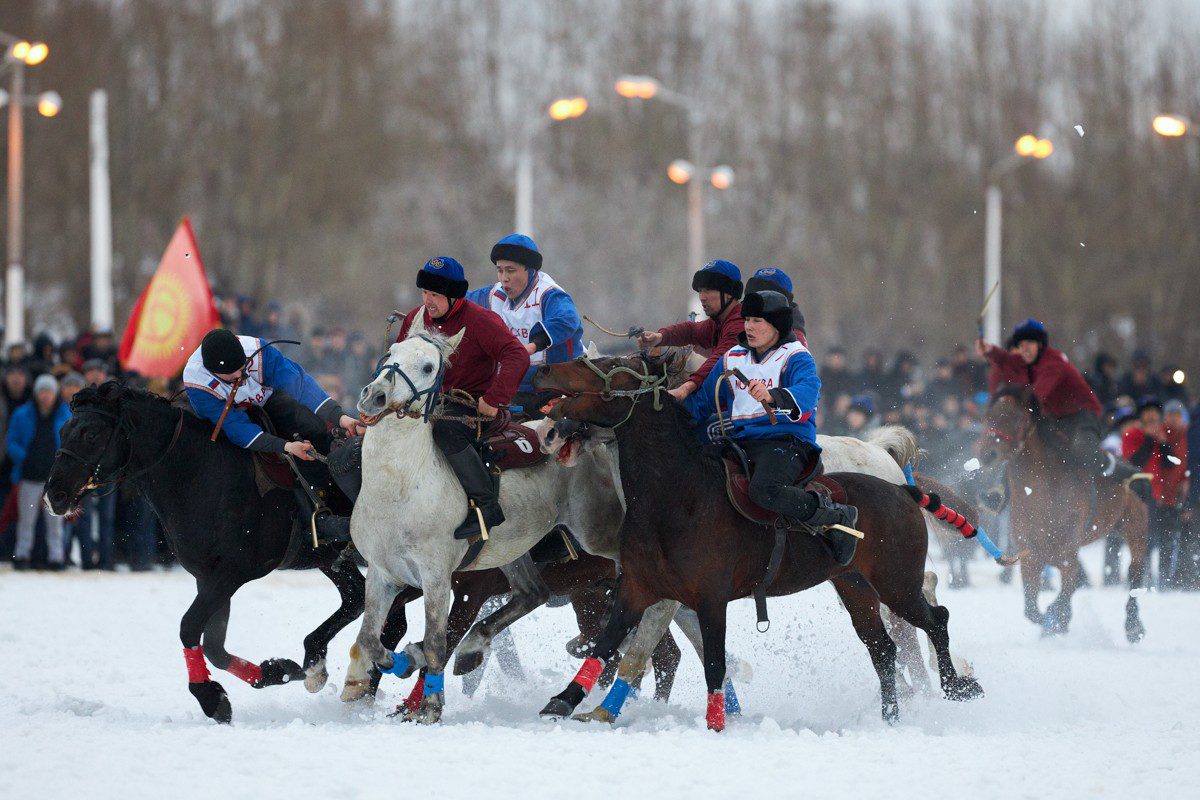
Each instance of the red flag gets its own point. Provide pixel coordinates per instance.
(174, 312)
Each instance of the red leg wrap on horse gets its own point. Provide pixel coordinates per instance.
(413, 702)
(241, 668)
(715, 717)
(197, 669)
(589, 673)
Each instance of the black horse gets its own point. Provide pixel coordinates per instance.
(221, 528)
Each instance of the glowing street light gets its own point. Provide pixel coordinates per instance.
(563, 108)
(49, 104)
(1026, 147)
(19, 53)
(1172, 126)
(681, 171)
(568, 108)
(722, 177)
(637, 87)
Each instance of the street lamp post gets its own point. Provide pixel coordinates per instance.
(562, 109)
(1027, 147)
(19, 54)
(641, 87)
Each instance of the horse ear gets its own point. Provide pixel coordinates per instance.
(455, 340)
(592, 351)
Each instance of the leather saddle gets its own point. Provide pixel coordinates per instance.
(737, 487)
(514, 446)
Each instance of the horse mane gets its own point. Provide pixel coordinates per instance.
(674, 424)
(439, 340)
(112, 393)
(1022, 393)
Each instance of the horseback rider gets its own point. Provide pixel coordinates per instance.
(488, 366)
(259, 375)
(783, 376)
(719, 284)
(536, 309)
(1065, 398)
(776, 280)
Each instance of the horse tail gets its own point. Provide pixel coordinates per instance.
(899, 442)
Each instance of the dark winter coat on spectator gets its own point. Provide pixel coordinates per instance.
(33, 439)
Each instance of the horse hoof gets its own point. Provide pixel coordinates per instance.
(213, 701)
(355, 690)
(891, 712)
(467, 661)
(1135, 633)
(428, 713)
(963, 689)
(1036, 617)
(316, 676)
(278, 671)
(557, 708)
(597, 714)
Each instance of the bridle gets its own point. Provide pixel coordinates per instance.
(1020, 438)
(427, 397)
(119, 425)
(647, 384)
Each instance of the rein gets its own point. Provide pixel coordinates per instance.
(119, 426)
(647, 384)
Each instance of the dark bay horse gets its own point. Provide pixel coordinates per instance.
(1051, 509)
(682, 540)
(219, 526)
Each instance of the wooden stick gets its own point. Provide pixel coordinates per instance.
(741, 376)
(228, 404)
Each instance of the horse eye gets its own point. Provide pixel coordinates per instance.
(91, 436)
(428, 368)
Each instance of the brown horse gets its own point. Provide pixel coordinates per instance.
(682, 540)
(1051, 508)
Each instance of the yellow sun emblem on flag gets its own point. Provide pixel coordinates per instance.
(166, 317)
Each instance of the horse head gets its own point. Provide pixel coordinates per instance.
(409, 374)
(91, 452)
(1011, 417)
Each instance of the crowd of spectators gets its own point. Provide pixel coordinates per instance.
(1147, 409)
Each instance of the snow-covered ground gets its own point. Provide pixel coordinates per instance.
(93, 703)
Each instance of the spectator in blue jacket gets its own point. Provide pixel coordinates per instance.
(32, 442)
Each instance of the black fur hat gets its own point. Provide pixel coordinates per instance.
(772, 306)
(222, 352)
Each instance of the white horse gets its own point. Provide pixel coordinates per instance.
(411, 502)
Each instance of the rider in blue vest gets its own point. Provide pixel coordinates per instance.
(268, 379)
(782, 375)
(536, 310)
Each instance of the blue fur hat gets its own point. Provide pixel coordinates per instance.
(770, 279)
(720, 276)
(444, 275)
(519, 248)
(1031, 330)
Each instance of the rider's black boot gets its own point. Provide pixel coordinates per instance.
(332, 528)
(481, 490)
(828, 513)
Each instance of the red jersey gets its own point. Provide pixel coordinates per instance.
(1057, 384)
(708, 334)
(489, 362)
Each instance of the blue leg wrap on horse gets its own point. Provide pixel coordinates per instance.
(399, 664)
(732, 706)
(615, 697)
(987, 544)
(435, 683)
(908, 475)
